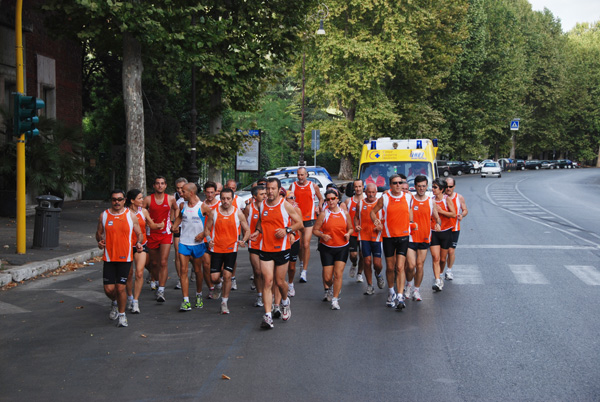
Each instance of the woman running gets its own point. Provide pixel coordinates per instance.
(442, 239)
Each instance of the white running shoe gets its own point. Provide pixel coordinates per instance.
(380, 281)
(216, 293)
(400, 302)
(160, 296)
(359, 278)
(233, 284)
(122, 322)
(136, 307)
(291, 290)
(303, 276)
(326, 295)
(276, 311)
(437, 285)
(129, 304)
(286, 312)
(224, 308)
(330, 294)
(114, 312)
(408, 292)
(391, 300)
(178, 285)
(370, 290)
(267, 322)
(353, 270)
(258, 302)
(449, 275)
(417, 295)
(153, 285)
(335, 305)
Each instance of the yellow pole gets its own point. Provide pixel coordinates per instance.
(21, 223)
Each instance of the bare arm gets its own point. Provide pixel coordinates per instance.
(319, 196)
(178, 220)
(463, 206)
(357, 216)
(137, 230)
(378, 207)
(317, 229)
(349, 229)
(100, 234)
(451, 213)
(245, 228)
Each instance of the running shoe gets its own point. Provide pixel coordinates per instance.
(408, 292)
(330, 294)
(291, 290)
(129, 304)
(199, 302)
(224, 309)
(286, 312)
(192, 277)
(252, 286)
(178, 285)
(449, 275)
(210, 294)
(359, 278)
(380, 281)
(233, 284)
(400, 302)
(370, 290)
(301, 264)
(114, 312)
(185, 306)
(160, 296)
(303, 276)
(417, 295)
(258, 302)
(276, 311)
(335, 305)
(217, 291)
(437, 285)
(267, 322)
(122, 322)
(326, 295)
(391, 300)
(136, 307)
(352, 270)
(153, 285)
(252, 277)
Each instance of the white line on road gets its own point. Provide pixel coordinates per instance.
(587, 274)
(528, 274)
(467, 275)
(7, 308)
(528, 246)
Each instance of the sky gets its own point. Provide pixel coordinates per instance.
(570, 12)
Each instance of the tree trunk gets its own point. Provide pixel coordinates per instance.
(345, 168)
(216, 118)
(598, 160)
(513, 145)
(134, 112)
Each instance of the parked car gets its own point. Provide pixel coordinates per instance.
(520, 163)
(576, 165)
(443, 169)
(458, 168)
(533, 164)
(317, 170)
(491, 169)
(476, 166)
(564, 164)
(548, 164)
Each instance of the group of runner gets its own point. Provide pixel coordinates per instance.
(277, 225)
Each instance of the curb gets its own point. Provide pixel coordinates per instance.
(33, 269)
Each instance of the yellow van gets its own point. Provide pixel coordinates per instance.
(384, 157)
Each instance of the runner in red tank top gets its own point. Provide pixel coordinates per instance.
(114, 236)
(351, 204)
(460, 207)
(162, 208)
(441, 239)
(333, 228)
(275, 226)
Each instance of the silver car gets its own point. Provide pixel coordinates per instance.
(491, 169)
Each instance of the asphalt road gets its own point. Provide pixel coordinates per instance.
(519, 322)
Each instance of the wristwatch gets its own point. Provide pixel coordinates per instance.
(288, 230)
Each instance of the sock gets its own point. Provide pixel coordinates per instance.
(129, 297)
(290, 284)
(233, 278)
(161, 288)
(114, 302)
(121, 314)
(260, 294)
(416, 289)
(186, 299)
(334, 299)
(285, 302)
(391, 291)
(269, 315)
(198, 294)
(448, 270)
(224, 299)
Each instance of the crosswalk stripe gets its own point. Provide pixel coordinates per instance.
(528, 274)
(467, 275)
(587, 274)
(7, 308)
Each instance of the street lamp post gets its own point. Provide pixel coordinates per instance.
(321, 14)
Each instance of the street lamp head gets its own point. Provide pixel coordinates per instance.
(321, 30)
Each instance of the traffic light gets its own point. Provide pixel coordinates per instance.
(26, 115)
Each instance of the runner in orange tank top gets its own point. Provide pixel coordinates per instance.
(210, 203)
(460, 206)
(333, 228)
(114, 236)
(305, 192)
(441, 239)
(355, 252)
(222, 230)
(252, 213)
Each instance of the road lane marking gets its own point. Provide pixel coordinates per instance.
(528, 274)
(467, 275)
(7, 308)
(528, 246)
(586, 273)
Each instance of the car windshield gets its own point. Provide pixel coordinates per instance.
(286, 182)
(380, 172)
(490, 164)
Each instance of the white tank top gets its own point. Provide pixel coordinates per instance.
(192, 223)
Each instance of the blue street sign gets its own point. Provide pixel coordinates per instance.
(514, 125)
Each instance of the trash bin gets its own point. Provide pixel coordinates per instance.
(47, 214)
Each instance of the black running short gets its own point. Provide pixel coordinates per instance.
(354, 247)
(442, 239)
(418, 246)
(393, 246)
(279, 257)
(222, 260)
(254, 251)
(329, 255)
(115, 272)
(309, 224)
(454, 239)
(295, 250)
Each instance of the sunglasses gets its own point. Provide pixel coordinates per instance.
(331, 199)
(291, 198)
(450, 186)
(118, 199)
(396, 182)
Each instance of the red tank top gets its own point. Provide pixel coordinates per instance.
(253, 217)
(352, 205)
(225, 231)
(273, 218)
(397, 216)
(335, 226)
(422, 216)
(160, 213)
(367, 228)
(118, 231)
(455, 221)
(443, 206)
(305, 197)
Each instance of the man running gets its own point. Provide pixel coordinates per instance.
(212, 202)
(162, 208)
(354, 248)
(222, 232)
(424, 210)
(460, 206)
(241, 205)
(278, 219)
(179, 183)
(305, 192)
(252, 212)
(114, 235)
(397, 212)
(369, 237)
(191, 247)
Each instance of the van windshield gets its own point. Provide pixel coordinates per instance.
(380, 172)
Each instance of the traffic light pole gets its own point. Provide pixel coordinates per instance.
(21, 192)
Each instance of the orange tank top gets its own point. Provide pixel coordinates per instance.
(225, 231)
(396, 214)
(352, 205)
(142, 221)
(455, 221)
(335, 226)
(273, 218)
(443, 206)
(305, 197)
(367, 228)
(118, 231)
(253, 218)
(422, 216)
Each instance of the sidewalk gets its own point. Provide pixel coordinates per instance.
(77, 243)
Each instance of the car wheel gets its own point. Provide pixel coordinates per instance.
(482, 176)
(522, 167)
(472, 171)
(459, 173)
(537, 168)
(499, 176)
(446, 173)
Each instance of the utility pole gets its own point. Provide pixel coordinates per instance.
(21, 186)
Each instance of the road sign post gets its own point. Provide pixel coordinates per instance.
(316, 143)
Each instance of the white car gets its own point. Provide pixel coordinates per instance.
(491, 169)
